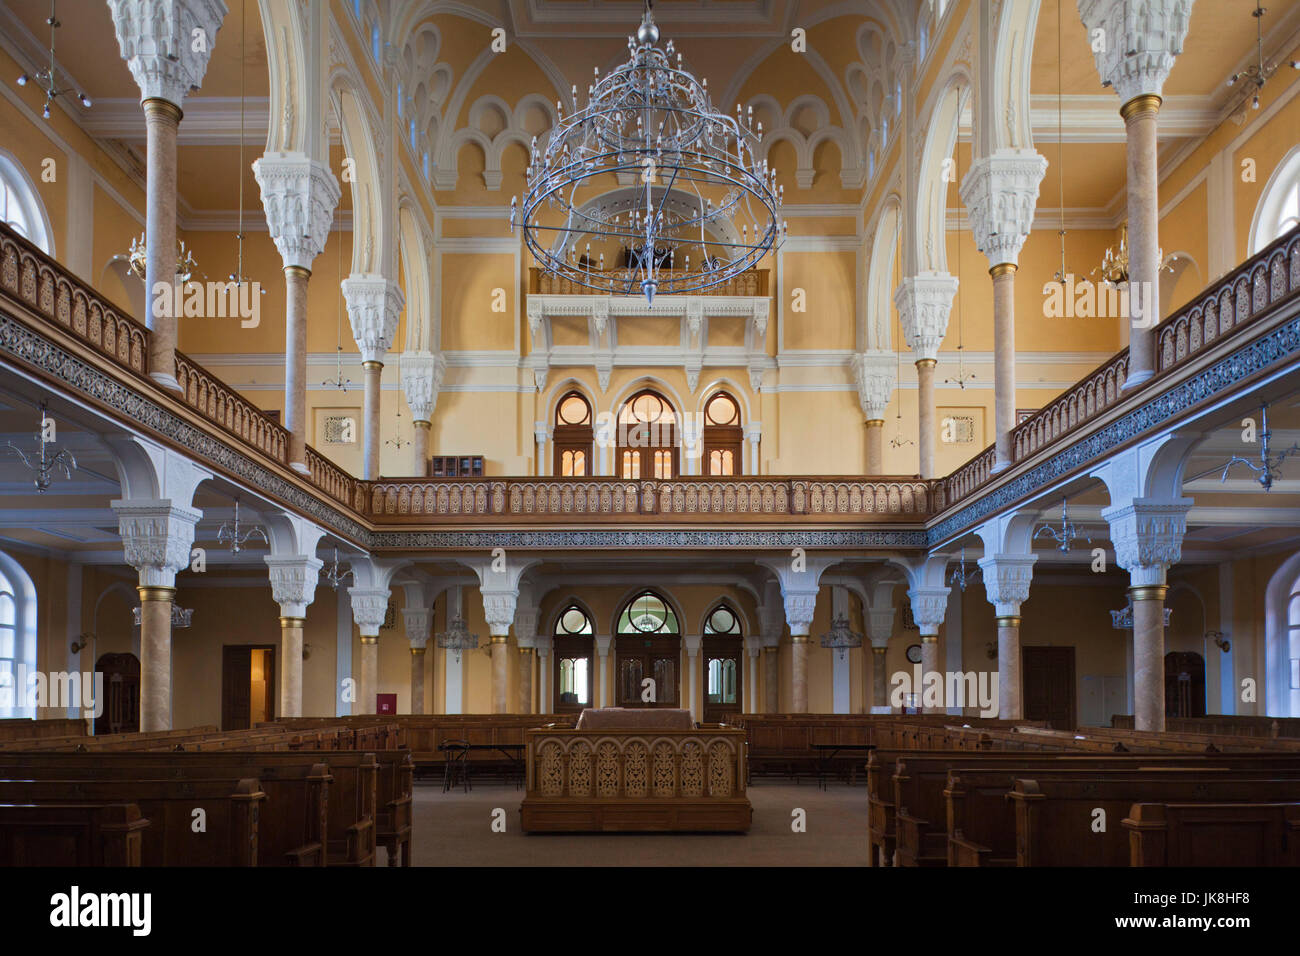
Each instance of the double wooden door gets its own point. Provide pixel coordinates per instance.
(241, 681)
(1048, 685)
(638, 659)
(723, 691)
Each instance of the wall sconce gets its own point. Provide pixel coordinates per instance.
(306, 651)
(81, 643)
(991, 649)
(1220, 640)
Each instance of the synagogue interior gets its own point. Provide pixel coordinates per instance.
(647, 418)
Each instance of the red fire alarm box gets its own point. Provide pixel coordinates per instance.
(385, 703)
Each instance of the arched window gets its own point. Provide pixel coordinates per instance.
(20, 205)
(647, 645)
(647, 437)
(573, 669)
(1278, 211)
(1293, 637)
(17, 638)
(724, 441)
(573, 437)
(722, 647)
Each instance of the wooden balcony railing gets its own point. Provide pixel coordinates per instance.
(685, 499)
(1231, 304)
(223, 406)
(753, 282)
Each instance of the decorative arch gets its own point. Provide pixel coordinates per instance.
(1282, 641)
(368, 233)
(573, 422)
(648, 432)
(723, 434)
(1278, 209)
(930, 225)
(21, 206)
(880, 274)
(415, 271)
(515, 130)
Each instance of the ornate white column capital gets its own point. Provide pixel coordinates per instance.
(880, 625)
(754, 431)
(167, 43)
(692, 643)
(1138, 41)
(929, 604)
(374, 304)
(1148, 536)
(924, 303)
(369, 608)
(422, 374)
(1006, 580)
(419, 624)
(1000, 192)
(157, 536)
(293, 581)
(499, 610)
(526, 617)
(299, 195)
(602, 642)
(753, 645)
(876, 372)
(541, 433)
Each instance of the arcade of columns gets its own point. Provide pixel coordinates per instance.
(299, 195)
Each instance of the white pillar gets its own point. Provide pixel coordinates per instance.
(421, 374)
(601, 642)
(754, 435)
(1006, 584)
(374, 304)
(541, 435)
(924, 303)
(876, 373)
(753, 648)
(369, 607)
(691, 643)
(929, 604)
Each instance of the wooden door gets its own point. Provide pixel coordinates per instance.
(236, 684)
(1184, 684)
(635, 659)
(723, 691)
(1048, 675)
(121, 704)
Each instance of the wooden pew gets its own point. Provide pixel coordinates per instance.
(1053, 814)
(395, 791)
(231, 808)
(293, 817)
(1214, 834)
(71, 834)
(20, 728)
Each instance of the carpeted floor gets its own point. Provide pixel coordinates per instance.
(455, 829)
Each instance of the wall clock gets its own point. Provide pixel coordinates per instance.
(914, 653)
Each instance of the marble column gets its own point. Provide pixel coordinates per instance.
(299, 196)
(368, 685)
(162, 119)
(880, 627)
(929, 605)
(692, 643)
(754, 436)
(1000, 192)
(371, 403)
(541, 438)
(602, 642)
(879, 680)
(1140, 122)
(160, 43)
(291, 629)
(930, 665)
(417, 678)
(1006, 584)
(369, 608)
(525, 680)
(1148, 534)
(1135, 61)
(875, 446)
(293, 586)
(421, 374)
(924, 303)
(545, 683)
(771, 680)
(155, 657)
(799, 674)
(753, 648)
(157, 535)
(1004, 361)
(876, 374)
(500, 674)
(374, 304)
(419, 625)
(926, 416)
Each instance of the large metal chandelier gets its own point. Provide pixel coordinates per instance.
(702, 209)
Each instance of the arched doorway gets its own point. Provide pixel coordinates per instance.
(1184, 684)
(573, 437)
(647, 646)
(723, 695)
(647, 437)
(121, 713)
(573, 664)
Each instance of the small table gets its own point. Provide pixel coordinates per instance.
(458, 751)
(826, 753)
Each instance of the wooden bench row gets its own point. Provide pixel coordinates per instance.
(936, 808)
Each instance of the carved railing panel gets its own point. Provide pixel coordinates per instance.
(753, 282)
(696, 499)
(229, 411)
(632, 765)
